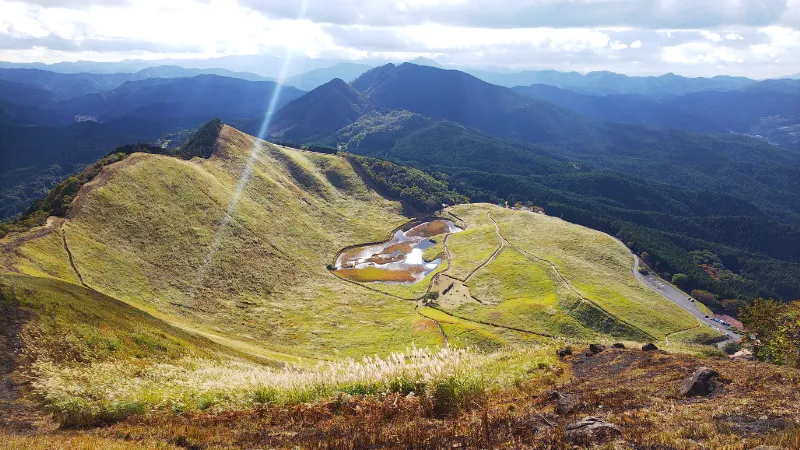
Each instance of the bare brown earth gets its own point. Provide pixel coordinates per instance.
(634, 390)
(430, 229)
(375, 274)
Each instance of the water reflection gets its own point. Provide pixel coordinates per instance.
(398, 260)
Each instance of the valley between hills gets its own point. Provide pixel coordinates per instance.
(181, 302)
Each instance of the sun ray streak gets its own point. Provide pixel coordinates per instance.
(244, 178)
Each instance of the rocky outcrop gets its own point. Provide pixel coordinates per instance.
(566, 403)
(596, 348)
(649, 347)
(743, 355)
(701, 383)
(591, 430)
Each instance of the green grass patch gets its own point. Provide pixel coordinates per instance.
(471, 248)
(597, 266)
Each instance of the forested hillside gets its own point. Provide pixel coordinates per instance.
(768, 109)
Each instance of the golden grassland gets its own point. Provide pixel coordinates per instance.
(634, 390)
(518, 292)
(152, 236)
(189, 313)
(473, 246)
(596, 266)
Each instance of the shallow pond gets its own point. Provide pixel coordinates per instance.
(398, 260)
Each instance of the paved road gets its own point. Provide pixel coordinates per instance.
(680, 298)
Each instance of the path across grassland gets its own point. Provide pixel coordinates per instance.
(569, 285)
(494, 255)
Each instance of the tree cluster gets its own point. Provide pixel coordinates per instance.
(421, 190)
(773, 329)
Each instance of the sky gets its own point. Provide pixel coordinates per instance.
(755, 38)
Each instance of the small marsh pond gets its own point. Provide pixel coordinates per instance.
(398, 260)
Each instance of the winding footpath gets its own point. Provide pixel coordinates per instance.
(570, 286)
(69, 255)
(496, 252)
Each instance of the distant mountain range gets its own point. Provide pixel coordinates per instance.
(197, 99)
(667, 192)
(317, 77)
(262, 65)
(498, 111)
(67, 86)
(708, 111)
(605, 83)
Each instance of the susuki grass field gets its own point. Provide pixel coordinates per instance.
(150, 297)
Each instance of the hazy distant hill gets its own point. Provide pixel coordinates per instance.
(35, 158)
(422, 61)
(604, 83)
(320, 112)
(26, 94)
(263, 65)
(768, 108)
(462, 98)
(623, 108)
(190, 101)
(317, 77)
(16, 114)
(68, 85)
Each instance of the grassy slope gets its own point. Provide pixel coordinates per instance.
(267, 283)
(166, 323)
(72, 324)
(523, 294)
(260, 285)
(598, 267)
(520, 290)
(471, 247)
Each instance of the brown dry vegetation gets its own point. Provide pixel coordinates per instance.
(758, 404)
(368, 274)
(386, 259)
(430, 229)
(402, 247)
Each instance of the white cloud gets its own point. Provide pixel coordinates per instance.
(702, 36)
(439, 38)
(699, 53)
(714, 37)
(651, 14)
(617, 45)
(780, 46)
